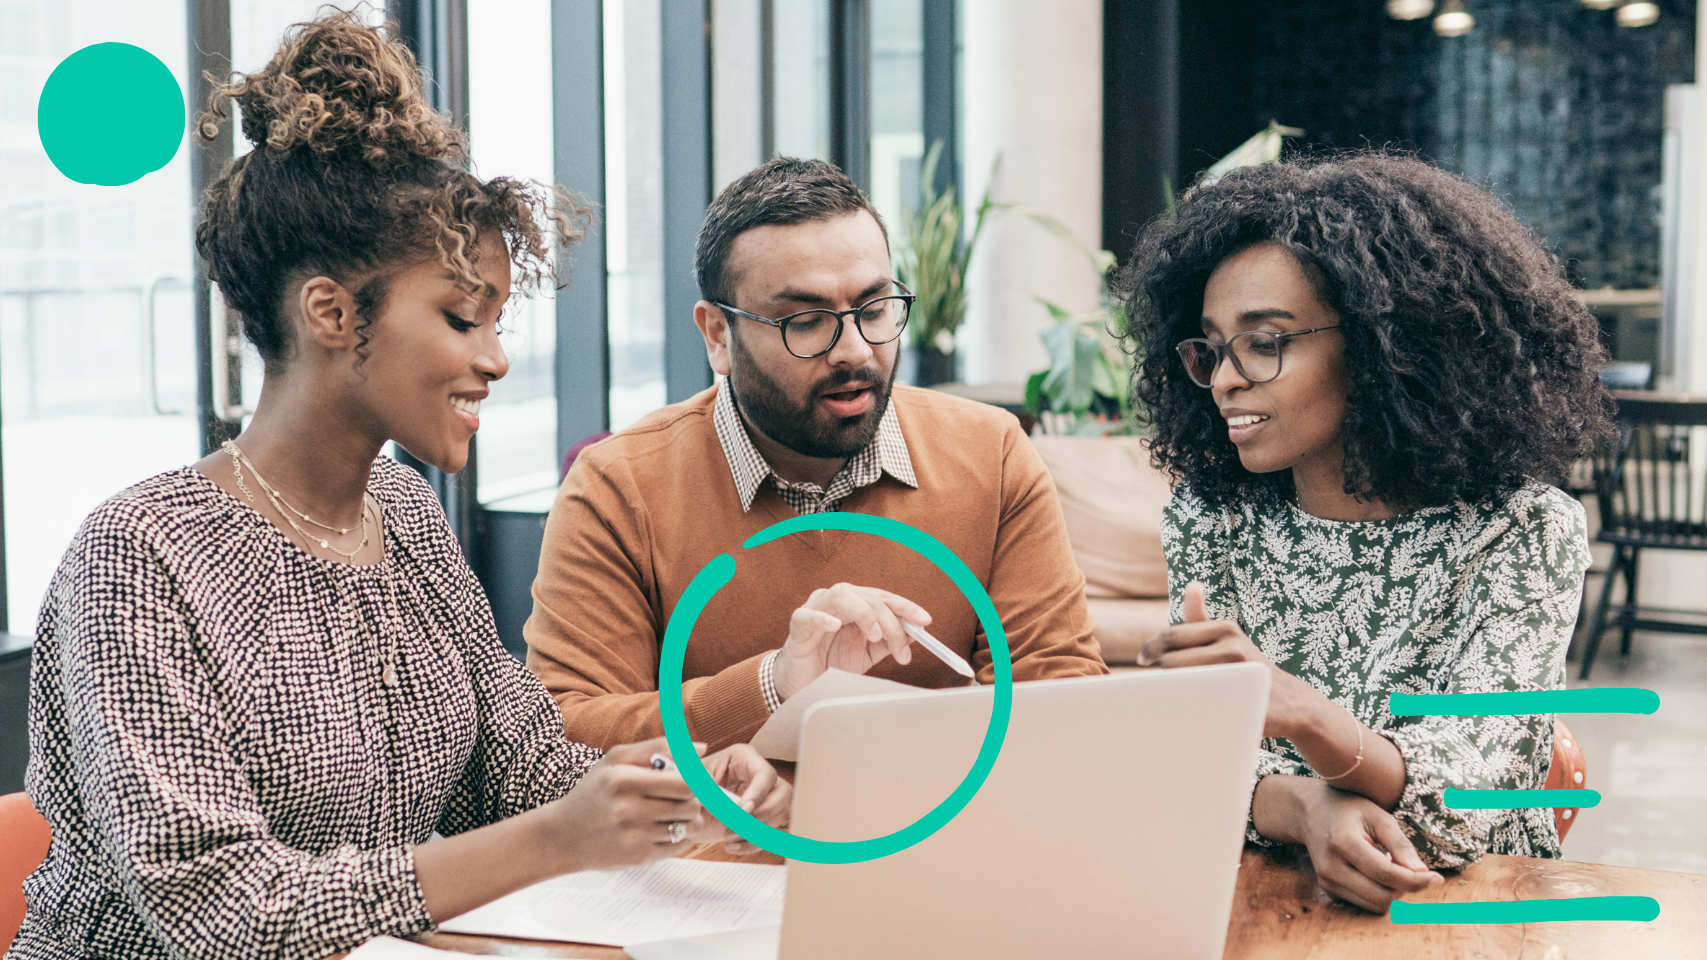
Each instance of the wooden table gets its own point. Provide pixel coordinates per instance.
(1278, 914)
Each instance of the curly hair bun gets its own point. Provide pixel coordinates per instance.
(337, 85)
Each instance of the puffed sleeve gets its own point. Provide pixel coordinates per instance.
(1522, 589)
(167, 803)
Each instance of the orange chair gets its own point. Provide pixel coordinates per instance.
(24, 837)
(1569, 772)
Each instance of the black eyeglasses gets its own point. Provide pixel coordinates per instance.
(813, 333)
(1255, 354)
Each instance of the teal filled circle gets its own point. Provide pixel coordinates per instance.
(712, 577)
(110, 114)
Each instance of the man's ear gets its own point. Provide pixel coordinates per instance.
(328, 311)
(714, 327)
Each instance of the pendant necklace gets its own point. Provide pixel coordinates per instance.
(388, 662)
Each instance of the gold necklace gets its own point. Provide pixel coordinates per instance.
(239, 460)
(388, 662)
(274, 494)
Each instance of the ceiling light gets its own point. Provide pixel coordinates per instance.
(1640, 13)
(1601, 4)
(1409, 9)
(1454, 19)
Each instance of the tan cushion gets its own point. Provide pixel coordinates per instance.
(1122, 626)
(1112, 499)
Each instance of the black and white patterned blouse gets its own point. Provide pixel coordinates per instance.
(224, 771)
(1452, 599)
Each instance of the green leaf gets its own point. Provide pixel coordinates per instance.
(1073, 359)
(1055, 310)
(1034, 399)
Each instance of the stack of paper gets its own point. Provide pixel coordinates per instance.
(670, 899)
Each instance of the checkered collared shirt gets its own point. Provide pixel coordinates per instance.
(886, 453)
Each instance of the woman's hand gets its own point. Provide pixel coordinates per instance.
(1292, 703)
(1360, 853)
(619, 815)
(740, 770)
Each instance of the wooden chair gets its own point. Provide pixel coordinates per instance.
(1568, 772)
(1651, 484)
(24, 838)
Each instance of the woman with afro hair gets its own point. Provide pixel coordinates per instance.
(262, 682)
(1362, 374)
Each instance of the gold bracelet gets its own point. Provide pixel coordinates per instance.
(1359, 762)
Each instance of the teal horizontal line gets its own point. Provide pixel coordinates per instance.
(1528, 911)
(1518, 799)
(1520, 703)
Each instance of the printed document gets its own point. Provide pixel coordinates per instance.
(666, 900)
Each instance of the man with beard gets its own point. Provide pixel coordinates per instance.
(802, 317)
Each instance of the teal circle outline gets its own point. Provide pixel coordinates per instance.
(142, 129)
(712, 577)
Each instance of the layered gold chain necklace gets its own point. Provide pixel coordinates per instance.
(239, 460)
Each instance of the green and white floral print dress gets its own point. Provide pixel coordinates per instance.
(1454, 599)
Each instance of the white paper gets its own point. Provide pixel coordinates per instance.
(667, 900)
(753, 943)
(779, 738)
(391, 948)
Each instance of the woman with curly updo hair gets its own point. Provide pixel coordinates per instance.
(1362, 373)
(263, 682)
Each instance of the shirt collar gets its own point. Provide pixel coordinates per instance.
(887, 452)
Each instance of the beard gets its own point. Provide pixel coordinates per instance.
(802, 425)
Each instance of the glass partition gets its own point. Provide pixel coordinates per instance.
(509, 118)
(634, 212)
(97, 347)
(897, 101)
(800, 84)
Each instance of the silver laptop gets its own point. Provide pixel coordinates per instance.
(1111, 825)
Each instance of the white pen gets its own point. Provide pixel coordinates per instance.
(954, 660)
(661, 762)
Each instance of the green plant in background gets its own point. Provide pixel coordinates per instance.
(934, 260)
(1263, 147)
(1087, 390)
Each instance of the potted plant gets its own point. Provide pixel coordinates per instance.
(933, 265)
(1086, 391)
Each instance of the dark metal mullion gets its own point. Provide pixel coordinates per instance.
(767, 79)
(685, 54)
(209, 26)
(437, 31)
(578, 126)
(850, 89)
(939, 91)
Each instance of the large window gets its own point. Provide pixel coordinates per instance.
(634, 213)
(509, 53)
(97, 375)
(97, 342)
(800, 85)
(897, 99)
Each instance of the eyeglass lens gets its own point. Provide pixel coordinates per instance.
(1256, 355)
(812, 333)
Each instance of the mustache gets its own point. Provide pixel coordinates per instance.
(841, 378)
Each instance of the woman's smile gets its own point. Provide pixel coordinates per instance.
(1242, 425)
(467, 407)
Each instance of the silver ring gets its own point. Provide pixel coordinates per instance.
(678, 830)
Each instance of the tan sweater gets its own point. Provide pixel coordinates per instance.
(642, 512)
